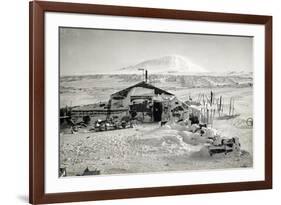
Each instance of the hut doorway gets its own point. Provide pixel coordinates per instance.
(157, 111)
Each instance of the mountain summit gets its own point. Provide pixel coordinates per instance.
(173, 64)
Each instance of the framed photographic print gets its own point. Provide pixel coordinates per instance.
(139, 102)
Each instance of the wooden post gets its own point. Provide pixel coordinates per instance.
(108, 110)
(233, 107)
(207, 114)
(230, 101)
(211, 100)
(220, 106)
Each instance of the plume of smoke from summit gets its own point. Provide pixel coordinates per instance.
(173, 64)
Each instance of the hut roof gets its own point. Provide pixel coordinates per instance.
(143, 84)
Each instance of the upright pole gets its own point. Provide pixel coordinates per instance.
(146, 76)
(211, 98)
(207, 116)
(233, 106)
(230, 105)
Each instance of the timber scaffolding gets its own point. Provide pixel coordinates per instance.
(212, 106)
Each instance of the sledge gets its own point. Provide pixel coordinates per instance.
(226, 146)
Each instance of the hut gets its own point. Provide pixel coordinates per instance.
(142, 101)
(145, 100)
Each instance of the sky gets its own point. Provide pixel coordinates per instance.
(92, 51)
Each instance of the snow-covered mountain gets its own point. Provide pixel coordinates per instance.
(166, 72)
(173, 64)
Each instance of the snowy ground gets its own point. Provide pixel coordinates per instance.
(148, 148)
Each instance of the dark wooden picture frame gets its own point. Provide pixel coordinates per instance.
(37, 193)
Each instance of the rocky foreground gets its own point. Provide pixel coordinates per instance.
(146, 148)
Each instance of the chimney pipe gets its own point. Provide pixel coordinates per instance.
(146, 76)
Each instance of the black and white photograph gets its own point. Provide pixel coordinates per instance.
(134, 102)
